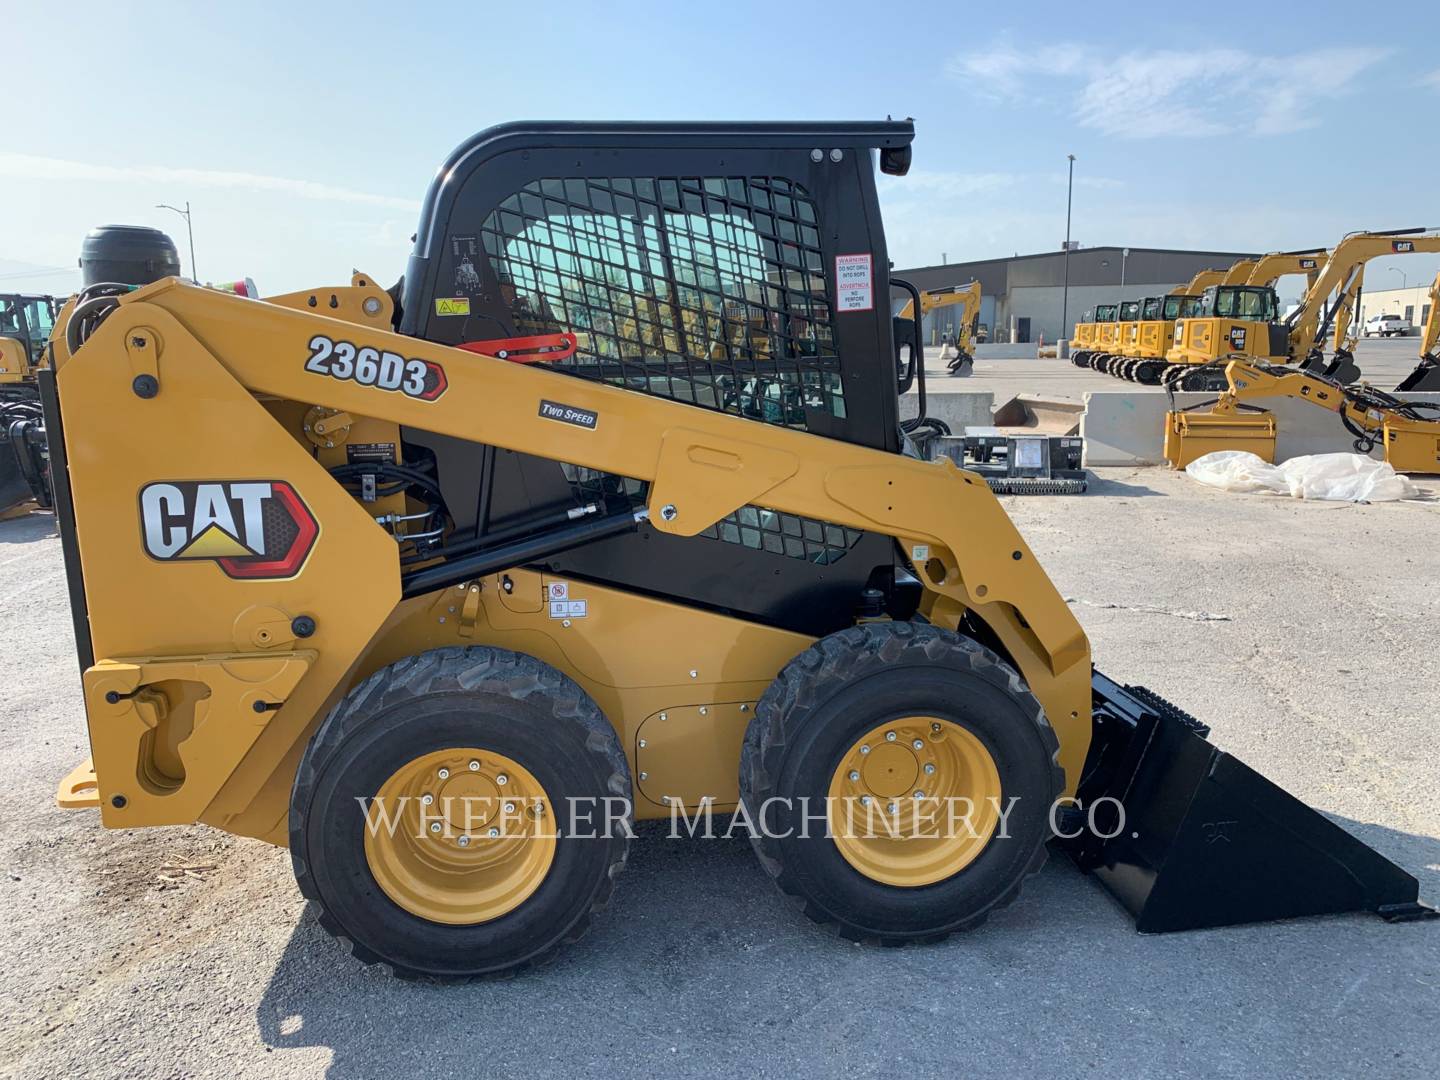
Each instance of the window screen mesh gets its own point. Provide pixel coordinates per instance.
(706, 290)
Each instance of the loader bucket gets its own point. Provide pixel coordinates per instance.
(1205, 840)
(1034, 412)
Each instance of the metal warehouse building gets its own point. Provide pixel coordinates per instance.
(1022, 296)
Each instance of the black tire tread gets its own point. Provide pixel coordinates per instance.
(813, 673)
(456, 668)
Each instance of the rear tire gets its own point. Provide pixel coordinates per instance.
(805, 729)
(508, 707)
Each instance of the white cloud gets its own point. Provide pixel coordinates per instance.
(1190, 94)
(31, 167)
(1431, 79)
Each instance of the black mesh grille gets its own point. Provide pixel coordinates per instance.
(706, 290)
(785, 534)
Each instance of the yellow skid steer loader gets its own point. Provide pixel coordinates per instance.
(605, 513)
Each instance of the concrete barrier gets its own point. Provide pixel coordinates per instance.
(961, 409)
(1126, 428)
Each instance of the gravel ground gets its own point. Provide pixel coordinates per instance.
(185, 952)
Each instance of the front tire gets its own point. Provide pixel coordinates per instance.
(880, 712)
(475, 753)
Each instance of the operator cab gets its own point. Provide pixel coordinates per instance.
(1106, 312)
(1180, 307)
(1129, 311)
(1255, 303)
(737, 267)
(28, 319)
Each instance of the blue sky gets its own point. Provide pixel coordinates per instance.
(304, 134)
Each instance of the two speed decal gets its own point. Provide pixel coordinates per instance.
(421, 379)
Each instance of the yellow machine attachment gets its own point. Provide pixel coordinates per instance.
(1426, 375)
(967, 321)
(443, 594)
(1407, 431)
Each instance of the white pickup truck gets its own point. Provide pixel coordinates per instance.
(1387, 326)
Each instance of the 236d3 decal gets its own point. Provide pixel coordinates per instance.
(252, 529)
(421, 379)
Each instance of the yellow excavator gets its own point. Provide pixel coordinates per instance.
(1097, 336)
(423, 587)
(1147, 363)
(1242, 320)
(1426, 376)
(1408, 431)
(1085, 347)
(962, 363)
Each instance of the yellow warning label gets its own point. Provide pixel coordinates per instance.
(453, 305)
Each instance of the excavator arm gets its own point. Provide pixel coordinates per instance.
(1199, 283)
(1342, 276)
(934, 299)
(1408, 431)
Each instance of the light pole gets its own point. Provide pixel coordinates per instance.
(1065, 295)
(189, 231)
(1124, 256)
(1404, 281)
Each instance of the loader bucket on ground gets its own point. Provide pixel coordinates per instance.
(1053, 416)
(1207, 841)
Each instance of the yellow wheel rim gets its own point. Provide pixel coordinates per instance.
(914, 801)
(460, 836)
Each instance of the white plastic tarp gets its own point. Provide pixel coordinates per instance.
(1331, 477)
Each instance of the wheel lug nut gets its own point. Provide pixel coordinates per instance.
(929, 769)
(502, 779)
(494, 833)
(935, 728)
(854, 775)
(444, 774)
(892, 807)
(463, 841)
(426, 800)
(919, 794)
(864, 749)
(435, 827)
(509, 808)
(918, 744)
(864, 800)
(474, 766)
(889, 736)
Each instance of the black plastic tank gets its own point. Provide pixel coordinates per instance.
(127, 254)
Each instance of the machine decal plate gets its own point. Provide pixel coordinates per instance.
(1237, 338)
(252, 529)
(854, 283)
(423, 380)
(568, 414)
(452, 305)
